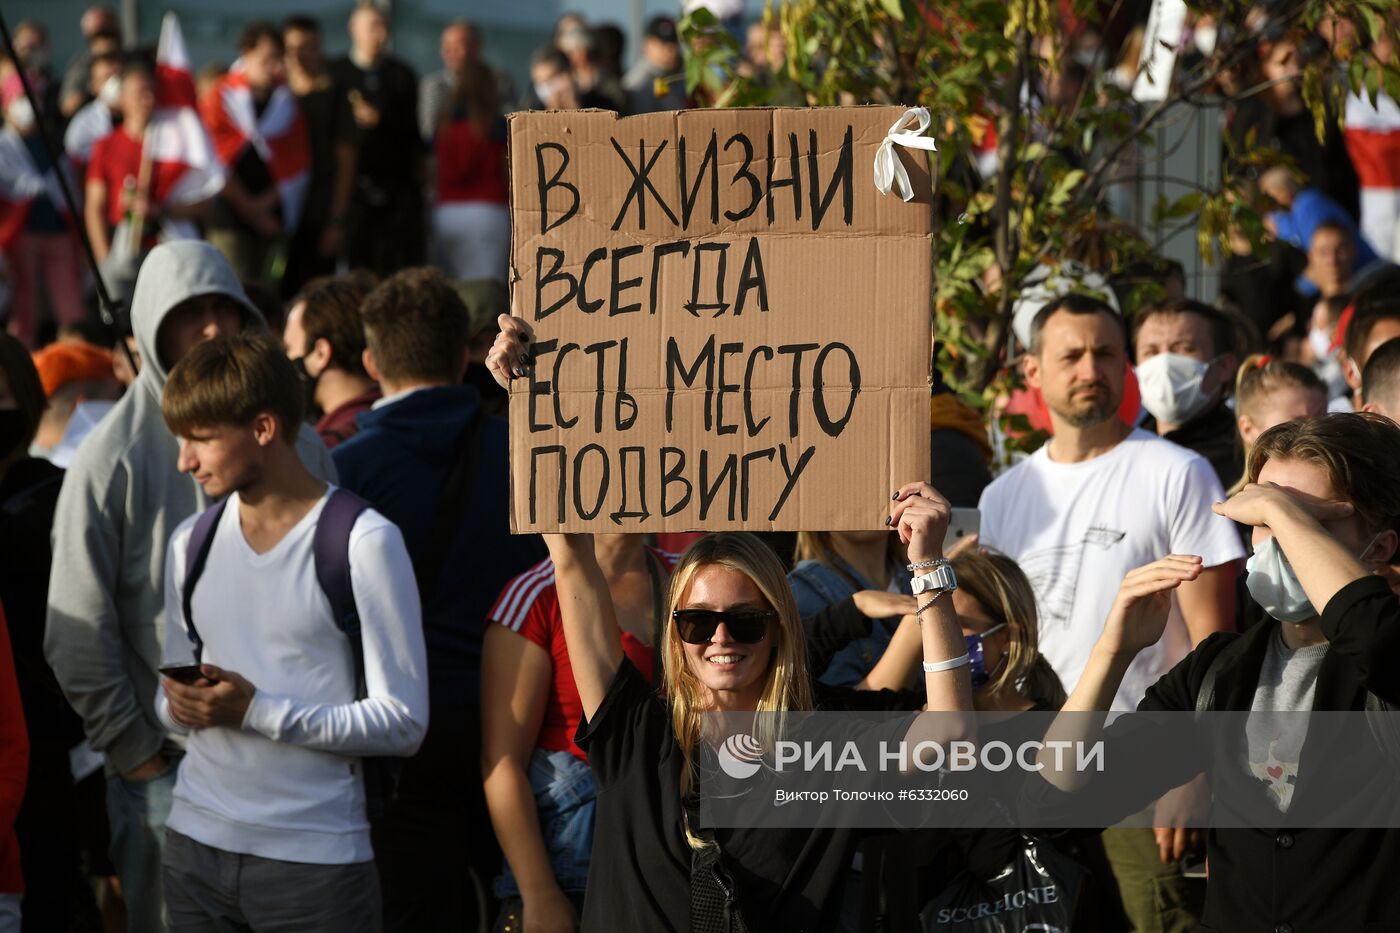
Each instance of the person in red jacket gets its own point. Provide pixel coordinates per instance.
(471, 224)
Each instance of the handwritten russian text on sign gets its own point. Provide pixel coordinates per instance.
(732, 324)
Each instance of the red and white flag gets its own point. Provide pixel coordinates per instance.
(20, 183)
(178, 144)
(279, 136)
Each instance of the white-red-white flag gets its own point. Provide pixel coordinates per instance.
(179, 145)
(278, 135)
(20, 183)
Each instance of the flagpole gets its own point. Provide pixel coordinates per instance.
(108, 308)
(143, 184)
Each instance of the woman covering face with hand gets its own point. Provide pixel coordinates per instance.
(733, 642)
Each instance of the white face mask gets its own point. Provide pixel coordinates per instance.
(1274, 585)
(1171, 387)
(1321, 342)
(111, 93)
(1205, 38)
(20, 114)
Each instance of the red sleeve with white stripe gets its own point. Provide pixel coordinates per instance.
(528, 605)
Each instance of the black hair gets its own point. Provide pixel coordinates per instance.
(1074, 303)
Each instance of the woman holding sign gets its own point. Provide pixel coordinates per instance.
(733, 643)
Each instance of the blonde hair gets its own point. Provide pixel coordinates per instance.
(787, 684)
(1259, 377)
(1000, 587)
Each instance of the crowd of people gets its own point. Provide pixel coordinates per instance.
(270, 658)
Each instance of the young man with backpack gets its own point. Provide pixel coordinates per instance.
(294, 659)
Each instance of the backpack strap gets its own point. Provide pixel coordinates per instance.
(196, 555)
(1205, 696)
(330, 550)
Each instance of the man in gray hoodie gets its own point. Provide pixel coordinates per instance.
(121, 500)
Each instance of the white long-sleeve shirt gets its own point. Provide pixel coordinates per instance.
(288, 785)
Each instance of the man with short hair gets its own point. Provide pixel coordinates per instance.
(438, 469)
(661, 60)
(280, 700)
(97, 23)
(1098, 500)
(319, 240)
(1374, 320)
(262, 140)
(1381, 381)
(1186, 362)
(326, 343)
(385, 228)
(121, 499)
(1332, 259)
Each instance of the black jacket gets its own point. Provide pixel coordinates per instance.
(1279, 879)
(1214, 436)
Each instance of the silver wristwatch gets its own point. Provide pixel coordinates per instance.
(940, 579)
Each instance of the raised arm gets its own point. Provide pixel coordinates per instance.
(1137, 620)
(920, 516)
(590, 621)
(1323, 564)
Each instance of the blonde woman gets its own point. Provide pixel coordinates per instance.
(1270, 392)
(733, 642)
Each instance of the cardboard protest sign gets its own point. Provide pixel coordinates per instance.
(732, 324)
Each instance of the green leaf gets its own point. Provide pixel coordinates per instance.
(894, 8)
(1064, 188)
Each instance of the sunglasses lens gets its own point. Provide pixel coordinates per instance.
(697, 626)
(746, 627)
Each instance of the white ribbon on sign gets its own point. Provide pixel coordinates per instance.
(889, 171)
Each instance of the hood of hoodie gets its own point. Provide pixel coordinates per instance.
(173, 273)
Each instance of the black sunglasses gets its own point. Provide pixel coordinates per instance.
(746, 625)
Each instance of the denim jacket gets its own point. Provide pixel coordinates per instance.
(816, 586)
(566, 799)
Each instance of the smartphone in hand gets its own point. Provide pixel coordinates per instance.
(187, 674)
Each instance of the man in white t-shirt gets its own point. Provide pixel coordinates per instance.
(269, 823)
(1099, 499)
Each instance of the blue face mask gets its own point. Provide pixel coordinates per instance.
(977, 661)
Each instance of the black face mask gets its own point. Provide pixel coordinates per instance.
(13, 431)
(308, 386)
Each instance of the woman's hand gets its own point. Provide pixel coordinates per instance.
(1261, 504)
(548, 912)
(1139, 614)
(881, 604)
(921, 517)
(510, 354)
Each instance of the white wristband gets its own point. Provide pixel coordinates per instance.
(933, 667)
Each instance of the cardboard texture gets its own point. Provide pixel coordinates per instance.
(724, 339)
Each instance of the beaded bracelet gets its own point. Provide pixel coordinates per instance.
(926, 564)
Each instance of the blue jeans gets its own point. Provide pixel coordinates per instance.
(137, 811)
(566, 799)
